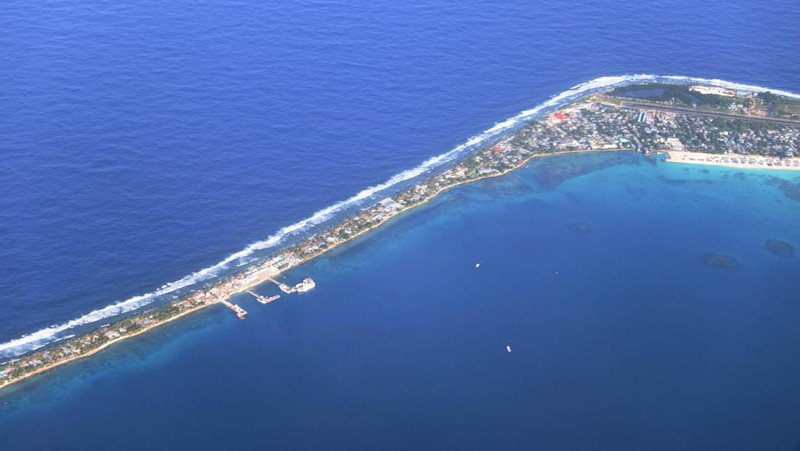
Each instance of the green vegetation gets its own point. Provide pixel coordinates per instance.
(677, 94)
(765, 103)
(586, 125)
(780, 105)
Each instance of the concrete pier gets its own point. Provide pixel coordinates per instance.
(263, 299)
(285, 288)
(240, 312)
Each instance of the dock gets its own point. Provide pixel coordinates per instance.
(285, 288)
(263, 299)
(240, 312)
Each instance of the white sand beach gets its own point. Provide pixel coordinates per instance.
(734, 161)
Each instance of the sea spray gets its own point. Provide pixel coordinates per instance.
(43, 337)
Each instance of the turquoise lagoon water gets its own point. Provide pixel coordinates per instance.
(622, 337)
(142, 142)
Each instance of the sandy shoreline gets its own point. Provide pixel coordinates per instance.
(94, 351)
(198, 307)
(734, 161)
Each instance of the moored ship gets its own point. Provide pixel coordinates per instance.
(306, 285)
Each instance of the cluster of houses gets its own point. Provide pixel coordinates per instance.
(587, 125)
(597, 126)
(714, 135)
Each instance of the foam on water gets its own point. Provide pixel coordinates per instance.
(43, 337)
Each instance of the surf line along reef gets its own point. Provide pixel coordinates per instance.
(740, 129)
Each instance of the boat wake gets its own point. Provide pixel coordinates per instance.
(51, 334)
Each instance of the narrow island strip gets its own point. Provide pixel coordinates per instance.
(602, 122)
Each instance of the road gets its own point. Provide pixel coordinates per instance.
(675, 109)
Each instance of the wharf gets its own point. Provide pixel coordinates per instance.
(285, 288)
(240, 312)
(263, 299)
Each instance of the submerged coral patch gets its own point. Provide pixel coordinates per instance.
(581, 227)
(780, 248)
(720, 261)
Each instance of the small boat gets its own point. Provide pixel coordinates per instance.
(508, 348)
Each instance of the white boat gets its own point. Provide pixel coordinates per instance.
(306, 285)
(508, 348)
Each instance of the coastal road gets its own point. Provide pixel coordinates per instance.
(674, 109)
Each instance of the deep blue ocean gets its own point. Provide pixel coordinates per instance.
(143, 142)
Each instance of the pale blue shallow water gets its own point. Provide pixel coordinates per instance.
(143, 142)
(622, 338)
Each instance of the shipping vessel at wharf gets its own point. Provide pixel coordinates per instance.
(306, 285)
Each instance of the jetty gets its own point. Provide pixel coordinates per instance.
(240, 312)
(263, 299)
(285, 288)
(592, 124)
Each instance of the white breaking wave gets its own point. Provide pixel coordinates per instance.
(48, 335)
